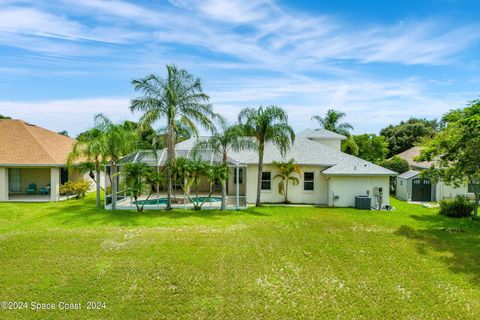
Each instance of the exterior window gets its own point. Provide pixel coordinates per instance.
(266, 180)
(308, 181)
(401, 182)
(240, 175)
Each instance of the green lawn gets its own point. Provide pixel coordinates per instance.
(272, 262)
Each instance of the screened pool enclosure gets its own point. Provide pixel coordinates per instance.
(154, 196)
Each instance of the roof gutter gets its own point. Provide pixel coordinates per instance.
(11, 165)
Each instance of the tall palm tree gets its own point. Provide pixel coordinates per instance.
(285, 171)
(331, 121)
(179, 99)
(268, 124)
(89, 146)
(118, 141)
(229, 139)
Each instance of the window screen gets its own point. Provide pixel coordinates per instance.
(266, 180)
(308, 181)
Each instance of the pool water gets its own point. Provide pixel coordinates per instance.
(164, 200)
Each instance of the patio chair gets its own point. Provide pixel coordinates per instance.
(45, 190)
(31, 189)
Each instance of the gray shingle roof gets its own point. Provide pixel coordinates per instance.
(321, 134)
(307, 152)
(409, 174)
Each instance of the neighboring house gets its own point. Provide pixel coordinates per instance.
(328, 176)
(32, 162)
(410, 186)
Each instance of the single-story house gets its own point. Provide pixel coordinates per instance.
(328, 176)
(32, 162)
(410, 186)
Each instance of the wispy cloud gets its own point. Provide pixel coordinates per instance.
(248, 53)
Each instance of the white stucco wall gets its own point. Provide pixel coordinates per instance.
(444, 191)
(296, 194)
(55, 184)
(3, 184)
(347, 187)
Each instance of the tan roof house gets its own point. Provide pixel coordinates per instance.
(411, 186)
(32, 162)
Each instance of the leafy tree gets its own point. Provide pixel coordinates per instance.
(456, 150)
(331, 121)
(350, 146)
(4, 117)
(64, 133)
(371, 147)
(139, 176)
(408, 133)
(117, 141)
(268, 124)
(229, 139)
(89, 147)
(397, 165)
(179, 99)
(286, 171)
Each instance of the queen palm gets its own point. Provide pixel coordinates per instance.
(285, 174)
(229, 139)
(179, 99)
(331, 121)
(268, 124)
(89, 146)
(118, 141)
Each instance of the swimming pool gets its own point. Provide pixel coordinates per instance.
(164, 200)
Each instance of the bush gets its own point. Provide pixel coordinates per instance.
(78, 188)
(457, 208)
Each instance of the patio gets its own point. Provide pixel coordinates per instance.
(236, 185)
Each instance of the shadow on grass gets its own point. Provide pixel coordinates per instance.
(456, 243)
(84, 213)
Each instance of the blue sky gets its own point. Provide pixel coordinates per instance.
(380, 61)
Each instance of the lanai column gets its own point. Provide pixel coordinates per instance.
(238, 186)
(54, 184)
(3, 184)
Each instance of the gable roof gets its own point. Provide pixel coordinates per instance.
(411, 154)
(409, 174)
(22, 143)
(306, 152)
(321, 134)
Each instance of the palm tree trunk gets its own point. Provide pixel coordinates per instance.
(224, 184)
(97, 183)
(260, 169)
(114, 185)
(224, 195)
(286, 190)
(170, 157)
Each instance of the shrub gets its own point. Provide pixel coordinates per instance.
(78, 188)
(457, 208)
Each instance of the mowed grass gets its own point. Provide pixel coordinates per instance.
(266, 263)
